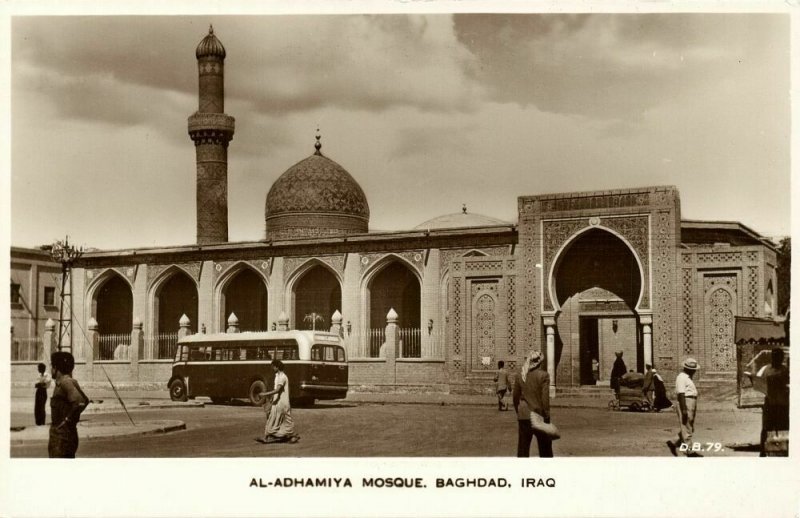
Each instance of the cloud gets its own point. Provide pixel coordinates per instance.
(611, 66)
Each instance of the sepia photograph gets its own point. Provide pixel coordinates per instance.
(396, 255)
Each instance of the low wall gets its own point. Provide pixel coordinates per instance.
(404, 374)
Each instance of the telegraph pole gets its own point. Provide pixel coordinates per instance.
(66, 254)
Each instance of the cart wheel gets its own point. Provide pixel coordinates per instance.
(612, 405)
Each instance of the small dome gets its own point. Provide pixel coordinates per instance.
(316, 197)
(460, 220)
(210, 46)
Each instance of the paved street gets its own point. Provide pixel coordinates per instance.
(339, 429)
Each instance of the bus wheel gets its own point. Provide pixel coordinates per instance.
(256, 388)
(177, 390)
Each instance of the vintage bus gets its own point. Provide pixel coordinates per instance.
(223, 366)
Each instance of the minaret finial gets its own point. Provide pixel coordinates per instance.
(318, 144)
(463, 208)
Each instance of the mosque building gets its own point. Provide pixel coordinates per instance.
(579, 276)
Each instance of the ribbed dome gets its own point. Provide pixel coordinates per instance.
(315, 197)
(460, 220)
(210, 46)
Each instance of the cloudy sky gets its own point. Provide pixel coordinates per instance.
(426, 112)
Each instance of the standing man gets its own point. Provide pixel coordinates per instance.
(648, 387)
(687, 408)
(618, 370)
(501, 379)
(532, 395)
(775, 413)
(40, 398)
(66, 405)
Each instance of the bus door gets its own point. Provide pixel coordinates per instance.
(196, 377)
(328, 364)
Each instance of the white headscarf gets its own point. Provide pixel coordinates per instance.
(533, 360)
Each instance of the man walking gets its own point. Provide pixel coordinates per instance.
(687, 408)
(531, 395)
(66, 405)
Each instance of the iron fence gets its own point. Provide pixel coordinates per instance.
(113, 346)
(164, 345)
(26, 349)
(410, 342)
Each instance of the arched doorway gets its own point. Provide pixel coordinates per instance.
(175, 297)
(597, 283)
(317, 295)
(395, 286)
(245, 295)
(113, 310)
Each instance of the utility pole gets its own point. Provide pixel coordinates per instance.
(66, 254)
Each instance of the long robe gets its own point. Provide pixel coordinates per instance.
(280, 423)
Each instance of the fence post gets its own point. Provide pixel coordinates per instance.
(390, 345)
(233, 324)
(136, 348)
(283, 322)
(336, 323)
(49, 340)
(93, 341)
(185, 329)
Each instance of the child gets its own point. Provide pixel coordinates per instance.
(42, 384)
(501, 378)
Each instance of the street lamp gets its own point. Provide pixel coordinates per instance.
(66, 254)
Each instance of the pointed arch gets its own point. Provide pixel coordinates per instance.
(313, 290)
(392, 283)
(563, 252)
(173, 293)
(244, 290)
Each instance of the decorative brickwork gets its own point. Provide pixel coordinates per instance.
(752, 256)
(222, 268)
(472, 267)
(291, 264)
(154, 271)
(664, 256)
(511, 312)
(555, 234)
(719, 257)
(414, 258)
(752, 291)
(483, 329)
(594, 202)
(448, 255)
(688, 314)
(456, 316)
(128, 272)
(720, 320)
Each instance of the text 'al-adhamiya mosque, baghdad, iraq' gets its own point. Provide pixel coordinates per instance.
(579, 276)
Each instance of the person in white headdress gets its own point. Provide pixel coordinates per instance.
(531, 395)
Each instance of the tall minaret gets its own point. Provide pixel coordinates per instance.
(211, 130)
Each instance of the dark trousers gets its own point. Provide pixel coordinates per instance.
(526, 434)
(39, 412)
(63, 442)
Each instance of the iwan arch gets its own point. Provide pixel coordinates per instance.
(579, 275)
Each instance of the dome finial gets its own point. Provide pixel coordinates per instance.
(210, 29)
(463, 208)
(318, 144)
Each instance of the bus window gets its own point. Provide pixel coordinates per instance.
(316, 353)
(339, 354)
(197, 353)
(329, 353)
